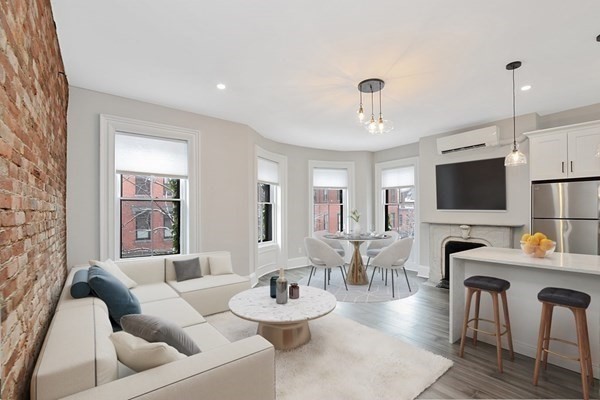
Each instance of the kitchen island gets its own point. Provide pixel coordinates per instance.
(527, 277)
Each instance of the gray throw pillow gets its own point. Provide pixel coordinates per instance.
(187, 269)
(154, 329)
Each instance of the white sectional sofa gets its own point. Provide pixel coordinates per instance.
(78, 360)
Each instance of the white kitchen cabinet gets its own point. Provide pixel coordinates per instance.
(564, 152)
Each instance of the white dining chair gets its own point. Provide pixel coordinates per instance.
(393, 258)
(375, 246)
(323, 256)
(334, 244)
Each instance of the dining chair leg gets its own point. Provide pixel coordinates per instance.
(368, 261)
(324, 278)
(386, 271)
(312, 269)
(371, 281)
(392, 274)
(341, 269)
(406, 276)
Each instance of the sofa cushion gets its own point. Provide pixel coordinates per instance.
(154, 292)
(187, 269)
(119, 300)
(110, 266)
(140, 355)
(145, 270)
(177, 310)
(220, 264)
(206, 336)
(155, 329)
(207, 282)
(80, 287)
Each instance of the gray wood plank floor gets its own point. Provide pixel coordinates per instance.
(422, 320)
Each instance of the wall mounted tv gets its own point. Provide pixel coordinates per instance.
(474, 185)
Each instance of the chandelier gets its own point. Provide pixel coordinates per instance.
(373, 126)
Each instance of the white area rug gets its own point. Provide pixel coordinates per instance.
(345, 360)
(358, 293)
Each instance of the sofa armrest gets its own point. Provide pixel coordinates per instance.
(241, 370)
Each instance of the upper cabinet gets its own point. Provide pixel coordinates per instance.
(565, 152)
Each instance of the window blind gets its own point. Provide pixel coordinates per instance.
(397, 177)
(330, 178)
(146, 155)
(268, 171)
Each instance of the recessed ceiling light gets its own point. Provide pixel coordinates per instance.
(525, 88)
(221, 86)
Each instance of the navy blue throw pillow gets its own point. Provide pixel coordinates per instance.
(119, 300)
(80, 287)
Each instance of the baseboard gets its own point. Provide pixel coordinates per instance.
(423, 271)
(297, 262)
(253, 279)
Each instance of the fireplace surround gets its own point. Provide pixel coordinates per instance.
(482, 235)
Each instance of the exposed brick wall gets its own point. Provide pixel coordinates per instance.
(33, 106)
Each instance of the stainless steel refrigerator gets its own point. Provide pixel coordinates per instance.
(568, 212)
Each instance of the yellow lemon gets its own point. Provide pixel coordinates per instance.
(528, 249)
(533, 240)
(546, 244)
(525, 237)
(539, 252)
(540, 236)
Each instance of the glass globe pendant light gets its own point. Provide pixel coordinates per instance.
(380, 125)
(361, 111)
(515, 157)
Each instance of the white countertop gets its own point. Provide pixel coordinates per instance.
(567, 262)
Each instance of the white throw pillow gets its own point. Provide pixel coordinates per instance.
(140, 355)
(220, 265)
(110, 266)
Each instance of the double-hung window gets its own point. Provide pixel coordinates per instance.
(267, 196)
(149, 187)
(398, 192)
(330, 194)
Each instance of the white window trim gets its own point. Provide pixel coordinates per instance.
(348, 166)
(109, 126)
(379, 222)
(280, 234)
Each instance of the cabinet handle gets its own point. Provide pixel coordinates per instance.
(563, 167)
(571, 166)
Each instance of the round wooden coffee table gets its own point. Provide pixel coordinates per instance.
(284, 325)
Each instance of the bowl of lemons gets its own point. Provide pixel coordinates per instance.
(537, 245)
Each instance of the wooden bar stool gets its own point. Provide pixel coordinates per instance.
(577, 302)
(493, 286)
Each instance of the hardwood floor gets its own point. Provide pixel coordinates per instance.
(422, 320)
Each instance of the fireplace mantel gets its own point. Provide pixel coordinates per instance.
(440, 233)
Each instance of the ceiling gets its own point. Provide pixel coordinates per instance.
(292, 67)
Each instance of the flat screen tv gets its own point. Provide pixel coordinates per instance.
(474, 185)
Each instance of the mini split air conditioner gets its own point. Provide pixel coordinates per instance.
(484, 137)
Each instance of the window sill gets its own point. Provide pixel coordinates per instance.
(266, 247)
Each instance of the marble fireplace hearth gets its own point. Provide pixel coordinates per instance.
(442, 234)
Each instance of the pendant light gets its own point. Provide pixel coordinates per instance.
(361, 111)
(515, 157)
(374, 126)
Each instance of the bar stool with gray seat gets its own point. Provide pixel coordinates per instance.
(493, 286)
(577, 302)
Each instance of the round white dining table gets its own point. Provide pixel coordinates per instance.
(357, 274)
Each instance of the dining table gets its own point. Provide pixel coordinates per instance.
(357, 273)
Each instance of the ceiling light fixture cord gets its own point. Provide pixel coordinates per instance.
(372, 111)
(514, 113)
(380, 100)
